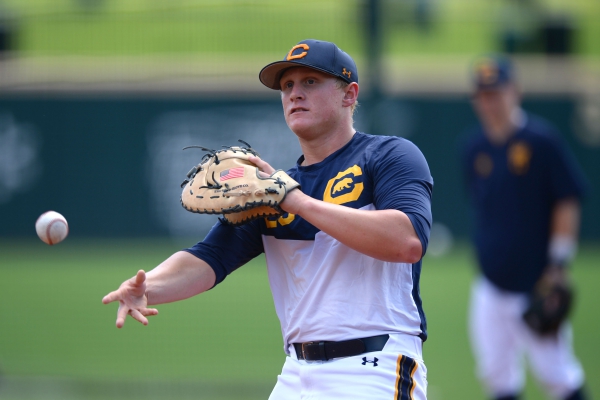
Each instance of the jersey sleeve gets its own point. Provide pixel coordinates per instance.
(402, 181)
(566, 177)
(226, 248)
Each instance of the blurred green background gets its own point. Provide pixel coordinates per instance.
(97, 98)
(132, 27)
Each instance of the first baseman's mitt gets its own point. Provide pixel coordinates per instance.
(549, 306)
(226, 182)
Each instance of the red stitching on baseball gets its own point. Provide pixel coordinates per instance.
(50, 226)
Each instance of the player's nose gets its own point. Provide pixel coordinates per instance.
(296, 92)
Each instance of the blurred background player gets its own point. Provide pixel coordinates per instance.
(525, 188)
(344, 262)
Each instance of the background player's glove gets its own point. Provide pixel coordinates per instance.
(549, 305)
(226, 182)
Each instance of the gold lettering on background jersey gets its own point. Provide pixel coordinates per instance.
(301, 55)
(483, 165)
(519, 156)
(342, 189)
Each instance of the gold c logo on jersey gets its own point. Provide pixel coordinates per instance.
(343, 189)
(519, 157)
(283, 220)
(301, 55)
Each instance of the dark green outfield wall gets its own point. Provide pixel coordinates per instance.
(113, 166)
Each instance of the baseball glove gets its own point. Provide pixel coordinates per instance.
(549, 306)
(226, 182)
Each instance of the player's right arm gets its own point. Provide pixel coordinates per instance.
(188, 272)
(178, 277)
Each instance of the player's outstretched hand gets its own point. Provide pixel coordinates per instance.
(132, 299)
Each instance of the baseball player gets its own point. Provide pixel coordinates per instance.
(344, 260)
(525, 189)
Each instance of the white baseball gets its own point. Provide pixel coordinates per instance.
(52, 227)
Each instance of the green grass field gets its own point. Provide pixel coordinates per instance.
(136, 27)
(57, 340)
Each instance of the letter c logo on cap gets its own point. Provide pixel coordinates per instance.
(488, 73)
(301, 55)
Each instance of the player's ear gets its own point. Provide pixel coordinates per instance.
(350, 94)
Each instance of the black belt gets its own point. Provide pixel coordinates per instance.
(324, 351)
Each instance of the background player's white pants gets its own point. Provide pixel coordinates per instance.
(501, 339)
(386, 374)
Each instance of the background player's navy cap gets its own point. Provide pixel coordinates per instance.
(317, 54)
(492, 72)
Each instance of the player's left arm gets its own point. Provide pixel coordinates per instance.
(568, 186)
(386, 234)
(564, 235)
(566, 216)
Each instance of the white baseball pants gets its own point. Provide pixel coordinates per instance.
(386, 374)
(501, 341)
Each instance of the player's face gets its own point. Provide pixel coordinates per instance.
(312, 101)
(495, 108)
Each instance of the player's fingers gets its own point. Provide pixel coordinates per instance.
(122, 315)
(109, 298)
(262, 174)
(262, 165)
(140, 277)
(138, 316)
(148, 311)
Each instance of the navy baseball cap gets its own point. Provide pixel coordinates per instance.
(492, 72)
(316, 54)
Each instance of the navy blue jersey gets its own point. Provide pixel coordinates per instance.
(513, 189)
(321, 288)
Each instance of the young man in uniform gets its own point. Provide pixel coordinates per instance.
(344, 261)
(525, 190)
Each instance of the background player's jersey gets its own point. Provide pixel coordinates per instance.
(322, 289)
(513, 189)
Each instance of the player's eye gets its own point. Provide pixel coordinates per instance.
(310, 81)
(287, 85)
